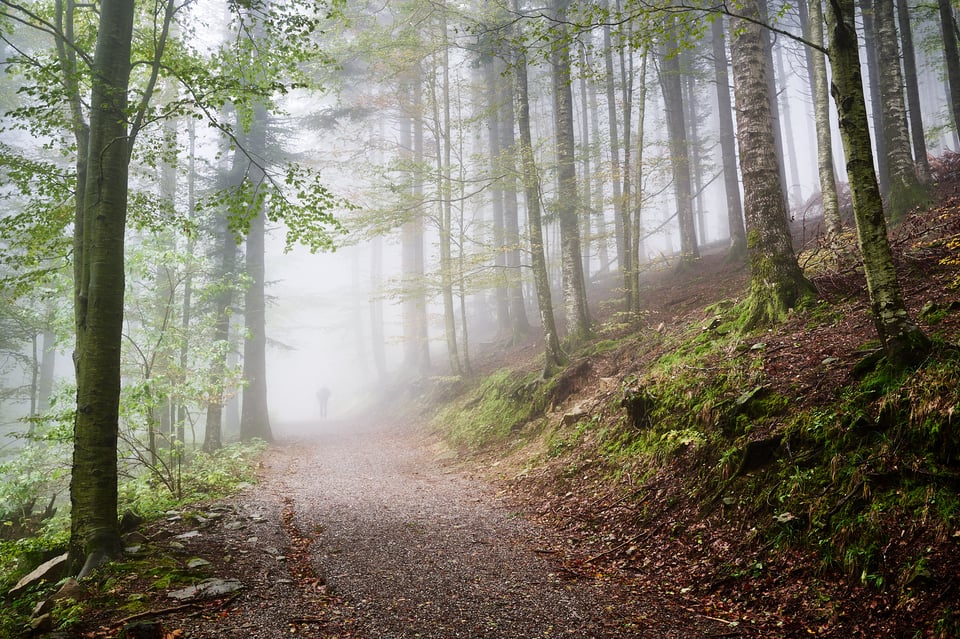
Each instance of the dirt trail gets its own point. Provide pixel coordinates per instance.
(412, 548)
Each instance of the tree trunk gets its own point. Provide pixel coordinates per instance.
(443, 150)
(637, 231)
(99, 289)
(951, 56)
(731, 183)
(776, 283)
(223, 301)
(574, 290)
(553, 356)
(519, 324)
(416, 338)
(671, 85)
(626, 208)
(789, 144)
(913, 95)
(903, 341)
(821, 111)
(905, 190)
(254, 415)
(612, 123)
(876, 108)
(496, 199)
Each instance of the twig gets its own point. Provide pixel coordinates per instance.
(636, 537)
(154, 613)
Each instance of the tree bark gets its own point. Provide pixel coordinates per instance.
(821, 111)
(905, 190)
(671, 85)
(496, 199)
(414, 308)
(914, 113)
(903, 341)
(574, 290)
(254, 414)
(444, 149)
(776, 283)
(876, 108)
(99, 289)
(553, 356)
(519, 324)
(731, 183)
(951, 56)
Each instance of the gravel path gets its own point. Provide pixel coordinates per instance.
(415, 549)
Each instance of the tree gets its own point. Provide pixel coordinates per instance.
(553, 356)
(776, 283)
(254, 417)
(821, 111)
(951, 55)
(672, 88)
(728, 153)
(903, 342)
(913, 94)
(574, 287)
(100, 226)
(905, 190)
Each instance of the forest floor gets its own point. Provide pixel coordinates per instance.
(372, 529)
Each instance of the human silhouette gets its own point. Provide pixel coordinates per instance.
(323, 394)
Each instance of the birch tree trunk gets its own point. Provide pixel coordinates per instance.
(574, 289)
(903, 341)
(876, 110)
(905, 190)
(951, 56)
(731, 183)
(776, 283)
(821, 112)
(910, 77)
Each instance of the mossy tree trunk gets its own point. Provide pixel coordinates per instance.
(903, 342)
(777, 283)
(905, 189)
(99, 289)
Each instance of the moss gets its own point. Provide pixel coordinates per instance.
(496, 408)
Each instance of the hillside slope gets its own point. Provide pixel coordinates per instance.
(782, 481)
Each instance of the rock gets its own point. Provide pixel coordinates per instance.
(188, 535)
(41, 624)
(575, 414)
(71, 589)
(206, 589)
(197, 562)
(51, 570)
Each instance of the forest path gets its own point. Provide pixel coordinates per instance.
(411, 547)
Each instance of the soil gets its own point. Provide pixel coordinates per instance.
(371, 529)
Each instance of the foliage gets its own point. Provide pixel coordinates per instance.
(494, 409)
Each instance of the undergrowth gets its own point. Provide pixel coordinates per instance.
(856, 481)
